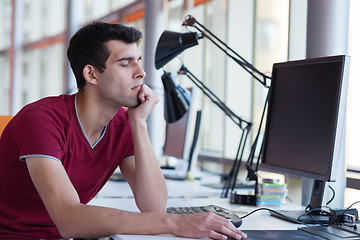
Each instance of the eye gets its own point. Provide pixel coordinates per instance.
(125, 63)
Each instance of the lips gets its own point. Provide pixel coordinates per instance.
(136, 87)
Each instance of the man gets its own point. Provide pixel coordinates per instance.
(57, 153)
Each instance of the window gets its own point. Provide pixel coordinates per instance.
(257, 31)
(353, 113)
(5, 16)
(40, 55)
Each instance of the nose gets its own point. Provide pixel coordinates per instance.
(140, 73)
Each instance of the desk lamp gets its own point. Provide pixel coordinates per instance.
(177, 100)
(169, 46)
(172, 44)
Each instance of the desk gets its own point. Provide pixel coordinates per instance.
(182, 193)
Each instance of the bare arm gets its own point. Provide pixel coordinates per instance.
(148, 185)
(147, 195)
(74, 219)
(144, 174)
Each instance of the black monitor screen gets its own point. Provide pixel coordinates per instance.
(303, 110)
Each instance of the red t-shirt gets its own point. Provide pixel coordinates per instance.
(50, 127)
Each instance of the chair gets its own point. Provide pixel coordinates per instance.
(4, 120)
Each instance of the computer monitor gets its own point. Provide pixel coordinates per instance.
(305, 121)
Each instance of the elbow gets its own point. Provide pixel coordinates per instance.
(67, 223)
(160, 208)
(66, 232)
(71, 230)
(65, 235)
(67, 229)
(155, 206)
(155, 201)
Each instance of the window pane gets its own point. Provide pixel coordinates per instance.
(271, 46)
(43, 73)
(5, 35)
(232, 21)
(4, 84)
(353, 113)
(5, 23)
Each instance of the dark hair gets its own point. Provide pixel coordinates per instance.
(87, 46)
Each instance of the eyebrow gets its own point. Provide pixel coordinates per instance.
(127, 59)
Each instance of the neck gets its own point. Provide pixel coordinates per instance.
(93, 116)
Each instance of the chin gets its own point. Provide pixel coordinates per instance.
(133, 104)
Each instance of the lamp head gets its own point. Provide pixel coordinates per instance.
(172, 44)
(177, 100)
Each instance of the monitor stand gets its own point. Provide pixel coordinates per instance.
(315, 216)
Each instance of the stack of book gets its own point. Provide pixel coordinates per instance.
(271, 194)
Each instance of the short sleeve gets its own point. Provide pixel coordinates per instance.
(40, 131)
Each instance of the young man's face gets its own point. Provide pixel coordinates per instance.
(121, 80)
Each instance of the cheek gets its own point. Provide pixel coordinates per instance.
(110, 81)
(116, 82)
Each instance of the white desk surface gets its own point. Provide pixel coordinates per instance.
(183, 193)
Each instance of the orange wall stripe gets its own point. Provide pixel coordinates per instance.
(198, 2)
(60, 38)
(139, 14)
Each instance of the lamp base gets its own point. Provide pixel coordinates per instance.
(243, 199)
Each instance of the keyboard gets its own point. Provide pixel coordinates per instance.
(223, 212)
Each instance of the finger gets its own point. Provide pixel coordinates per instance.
(237, 231)
(142, 94)
(243, 235)
(216, 235)
(225, 230)
(147, 94)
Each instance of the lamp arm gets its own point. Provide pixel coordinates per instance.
(243, 124)
(252, 173)
(231, 179)
(192, 22)
(236, 168)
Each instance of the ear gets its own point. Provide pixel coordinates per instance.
(89, 74)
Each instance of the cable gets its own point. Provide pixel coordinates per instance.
(342, 214)
(308, 213)
(333, 196)
(271, 210)
(330, 213)
(320, 211)
(289, 199)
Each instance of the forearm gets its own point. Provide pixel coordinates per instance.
(84, 221)
(150, 187)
